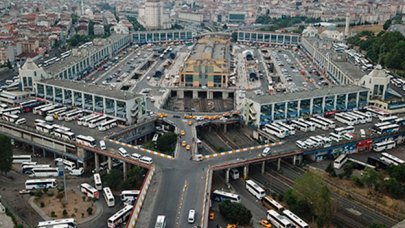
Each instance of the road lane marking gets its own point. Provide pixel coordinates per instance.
(185, 186)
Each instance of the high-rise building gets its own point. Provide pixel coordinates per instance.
(152, 15)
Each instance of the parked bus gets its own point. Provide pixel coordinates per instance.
(59, 223)
(335, 137)
(44, 172)
(310, 124)
(270, 203)
(376, 113)
(34, 184)
(95, 122)
(155, 138)
(129, 196)
(107, 125)
(13, 111)
(120, 217)
(320, 124)
(340, 161)
(367, 116)
(62, 115)
(388, 129)
(54, 111)
(384, 145)
(45, 110)
(160, 221)
(67, 135)
(255, 189)
(349, 120)
(66, 163)
(27, 169)
(278, 220)
(86, 140)
(391, 159)
(109, 197)
(234, 174)
(344, 130)
(97, 181)
(390, 119)
(377, 162)
(73, 115)
(28, 106)
(89, 191)
(9, 117)
(298, 222)
(18, 159)
(273, 130)
(219, 196)
(83, 119)
(359, 118)
(400, 121)
(330, 122)
(300, 125)
(38, 108)
(60, 127)
(44, 128)
(291, 129)
(379, 125)
(88, 120)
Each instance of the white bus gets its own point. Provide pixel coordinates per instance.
(109, 197)
(160, 221)
(301, 144)
(270, 203)
(83, 120)
(59, 223)
(68, 164)
(359, 118)
(319, 141)
(255, 189)
(44, 111)
(310, 124)
(97, 181)
(27, 169)
(376, 113)
(18, 159)
(129, 196)
(340, 161)
(349, 120)
(278, 220)
(67, 135)
(56, 111)
(44, 128)
(335, 137)
(273, 130)
(368, 116)
(330, 122)
(93, 123)
(219, 196)
(387, 118)
(120, 217)
(89, 191)
(391, 159)
(61, 127)
(86, 140)
(36, 109)
(384, 145)
(107, 125)
(234, 174)
(344, 130)
(73, 115)
(291, 129)
(378, 125)
(388, 129)
(88, 120)
(10, 117)
(320, 124)
(40, 184)
(298, 222)
(44, 172)
(300, 125)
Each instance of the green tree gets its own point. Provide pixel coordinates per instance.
(113, 179)
(348, 169)
(235, 212)
(135, 178)
(9, 64)
(397, 172)
(167, 142)
(387, 24)
(394, 188)
(330, 170)
(377, 225)
(6, 154)
(371, 178)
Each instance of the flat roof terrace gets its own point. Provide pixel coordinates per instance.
(91, 88)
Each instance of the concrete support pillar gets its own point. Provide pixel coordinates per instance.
(278, 164)
(33, 149)
(295, 157)
(97, 162)
(227, 175)
(109, 161)
(263, 166)
(195, 94)
(225, 127)
(84, 165)
(245, 171)
(299, 159)
(125, 168)
(209, 128)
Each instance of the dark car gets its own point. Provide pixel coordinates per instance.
(176, 116)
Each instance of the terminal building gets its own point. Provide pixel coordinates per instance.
(143, 37)
(269, 38)
(260, 110)
(208, 63)
(127, 107)
(74, 64)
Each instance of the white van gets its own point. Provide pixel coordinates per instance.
(266, 151)
(191, 216)
(136, 156)
(348, 136)
(123, 152)
(362, 133)
(146, 160)
(20, 121)
(102, 145)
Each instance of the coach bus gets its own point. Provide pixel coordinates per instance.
(384, 145)
(59, 223)
(276, 131)
(109, 197)
(89, 191)
(93, 123)
(219, 196)
(129, 196)
(86, 140)
(40, 184)
(120, 217)
(270, 203)
(278, 220)
(391, 159)
(107, 125)
(18, 159)
(97, 181)
(340, 161)
(298, 222)
(44, 172)
(255, 189)
(349, 120)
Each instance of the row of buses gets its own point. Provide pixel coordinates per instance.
(353, 118)
(94, 120)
